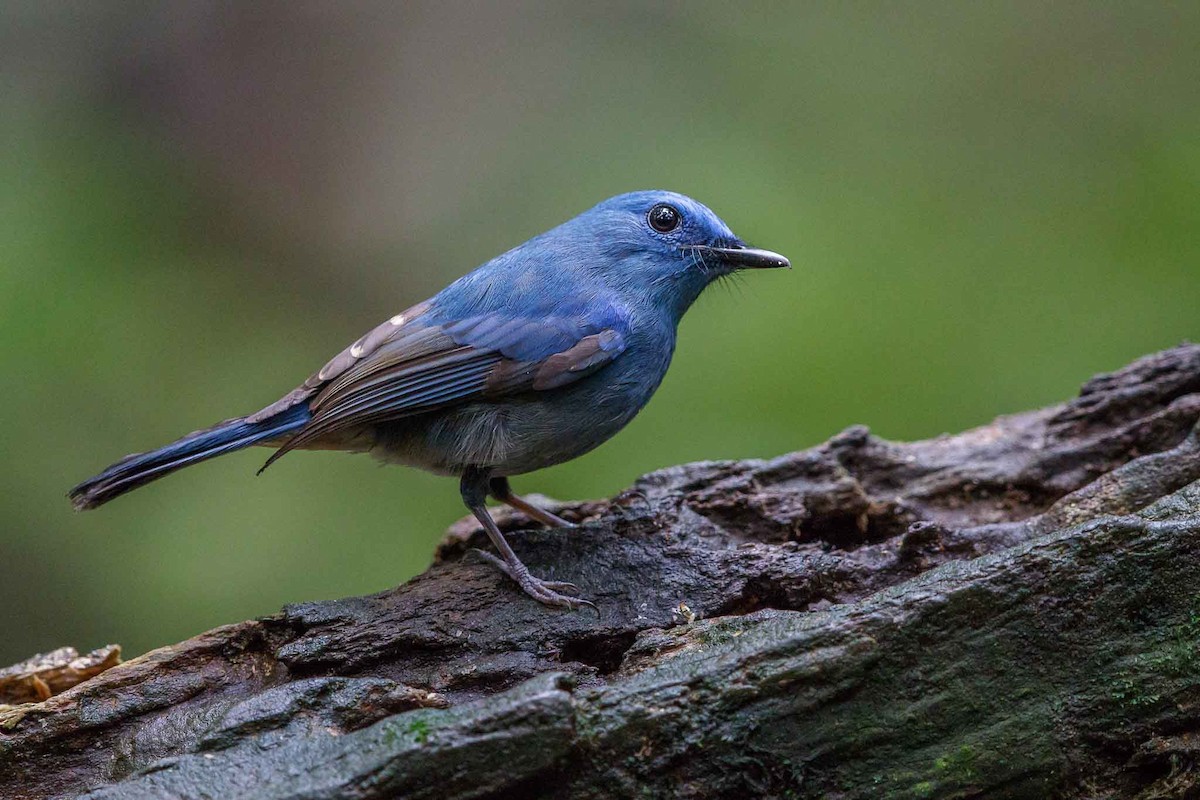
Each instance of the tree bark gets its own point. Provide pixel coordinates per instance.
(1008, 612)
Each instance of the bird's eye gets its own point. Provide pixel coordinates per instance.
(664, 218)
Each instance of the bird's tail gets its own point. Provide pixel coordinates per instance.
(139, 469)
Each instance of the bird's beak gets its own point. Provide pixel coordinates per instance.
(747, 257)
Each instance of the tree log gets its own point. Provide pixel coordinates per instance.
(1009, 612)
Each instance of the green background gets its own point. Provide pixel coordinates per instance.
(985, 205)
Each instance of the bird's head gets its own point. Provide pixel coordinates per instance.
(664, 246)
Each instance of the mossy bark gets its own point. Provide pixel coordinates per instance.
(1009, 612)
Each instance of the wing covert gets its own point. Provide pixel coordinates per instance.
(425, 363)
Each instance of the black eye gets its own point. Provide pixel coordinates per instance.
(664, 218)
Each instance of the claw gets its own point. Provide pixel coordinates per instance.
(545, 592)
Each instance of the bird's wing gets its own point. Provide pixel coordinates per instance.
(419, 361)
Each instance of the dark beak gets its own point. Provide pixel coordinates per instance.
(746, 257)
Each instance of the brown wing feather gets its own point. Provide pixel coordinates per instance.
(390, 386)
(365, 346)
(405, 367)
(591, 353)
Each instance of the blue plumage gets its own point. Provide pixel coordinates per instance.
(224, 437)
(536, 357)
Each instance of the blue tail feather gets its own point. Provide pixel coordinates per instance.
(137, 470)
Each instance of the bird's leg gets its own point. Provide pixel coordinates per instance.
(474, 488)
(504, 493)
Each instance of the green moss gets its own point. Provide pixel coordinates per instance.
(408, 728)
(959, 765)
(1176, 657)
(720, 634)
(419, 730)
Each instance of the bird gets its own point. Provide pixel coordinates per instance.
(533, 359)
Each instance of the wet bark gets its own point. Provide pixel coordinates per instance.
(1008, 612)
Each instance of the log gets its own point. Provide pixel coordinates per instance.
(1008, 612)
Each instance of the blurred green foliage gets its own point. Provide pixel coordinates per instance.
(984, 204)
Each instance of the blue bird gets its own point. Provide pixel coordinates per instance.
(536, 357)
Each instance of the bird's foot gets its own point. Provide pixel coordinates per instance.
(546, 592)
(555, 521)
(539, 514)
